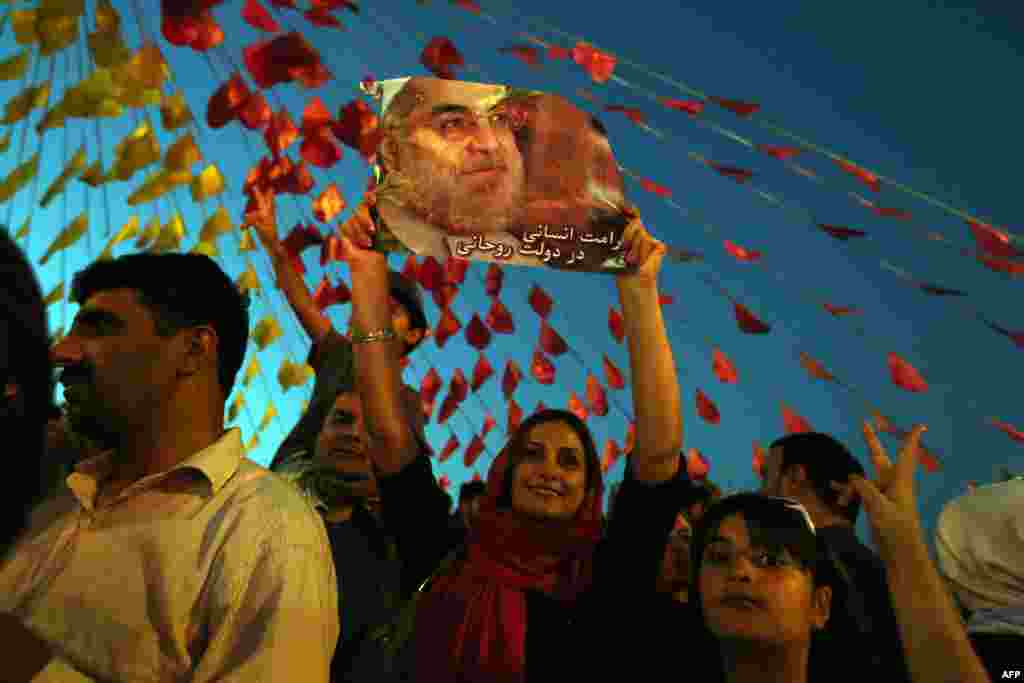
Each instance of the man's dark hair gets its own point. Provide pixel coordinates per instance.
(25, 364)
(470, 490)
(825, 461)
(182, 291)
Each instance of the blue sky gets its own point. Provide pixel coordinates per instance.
(921, 92)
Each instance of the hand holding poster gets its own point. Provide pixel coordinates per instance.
(490, 173)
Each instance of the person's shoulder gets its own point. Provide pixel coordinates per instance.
(257, 486)
(53, 511)
(1003, 498)
(266, 504)
(259, 523)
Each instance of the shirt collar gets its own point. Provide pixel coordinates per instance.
(217, 463)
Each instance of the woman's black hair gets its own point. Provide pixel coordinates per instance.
(771, 522)
(774, 522)
(516, 442)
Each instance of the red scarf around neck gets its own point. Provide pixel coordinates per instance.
(471, 626)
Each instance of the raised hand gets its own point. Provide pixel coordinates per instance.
(642, 251)
(263, 215)
(359, 228)
(357, 234)
(655, 385)
(889, 500)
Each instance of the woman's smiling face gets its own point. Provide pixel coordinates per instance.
(549, 480)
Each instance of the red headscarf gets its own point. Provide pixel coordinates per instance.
(471, 626)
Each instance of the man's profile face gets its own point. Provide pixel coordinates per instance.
(459, 158)
(117, 371)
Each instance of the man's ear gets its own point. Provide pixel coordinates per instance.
(200, 348)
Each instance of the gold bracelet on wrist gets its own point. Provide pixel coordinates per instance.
(386, 334)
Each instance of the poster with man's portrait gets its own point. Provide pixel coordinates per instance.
(491, 173)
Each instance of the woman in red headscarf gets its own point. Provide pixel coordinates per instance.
(531, 590)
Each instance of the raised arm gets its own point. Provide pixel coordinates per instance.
(935, 641)
(264, 220)
(414, 509)
(655, 384)
(377, 349)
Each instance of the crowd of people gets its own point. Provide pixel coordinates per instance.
(142, 545)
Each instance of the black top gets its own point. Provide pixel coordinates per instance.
(367, 569)
(562, 640)
(868, 576)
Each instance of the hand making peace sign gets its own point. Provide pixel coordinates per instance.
(889, 500)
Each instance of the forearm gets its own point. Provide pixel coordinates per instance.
(655, 384)
(290, 282)
(378, 370)
(935, 642)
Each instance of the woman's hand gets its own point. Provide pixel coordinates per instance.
(642, 251)
(357, 234)
(889, 500)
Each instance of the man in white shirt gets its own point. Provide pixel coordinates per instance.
(979, 544)
(170, 556)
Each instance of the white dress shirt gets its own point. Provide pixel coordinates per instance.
(216, 570)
